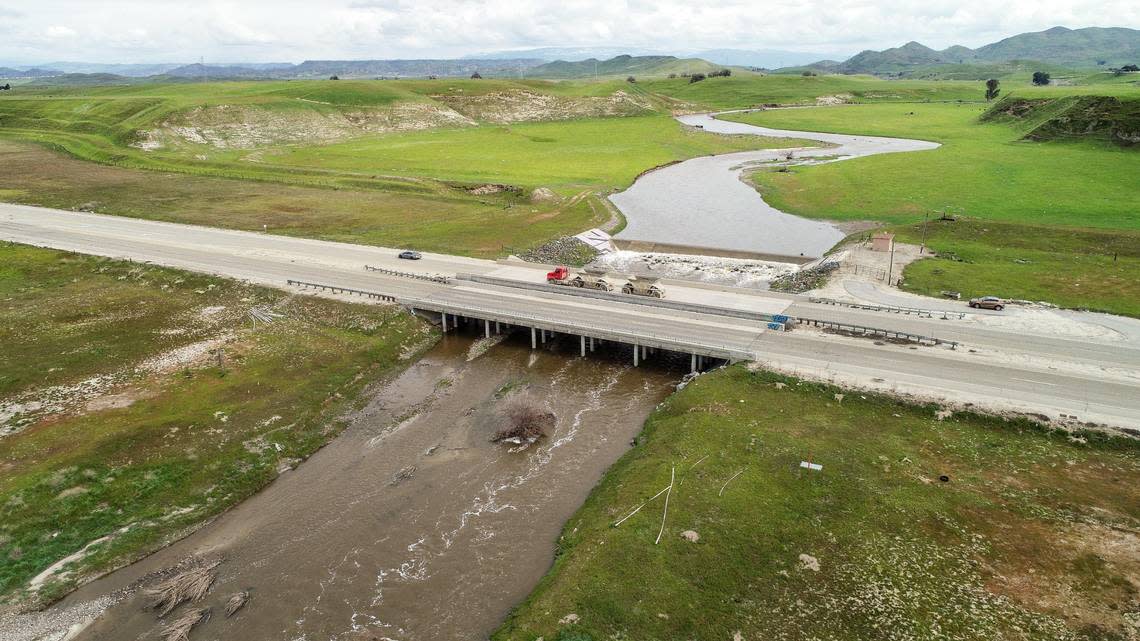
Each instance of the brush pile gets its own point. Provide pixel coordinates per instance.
(187, 585)
(526, 423)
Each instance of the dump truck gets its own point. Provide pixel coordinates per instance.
(643, 286)
(588, 279)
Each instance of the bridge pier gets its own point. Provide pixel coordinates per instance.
(533, 338)
(693, 364)
(543, 336)
(498, 328)
(636, 352)
(443, 322)
(591, 343)
(583, 346)
(486, 328)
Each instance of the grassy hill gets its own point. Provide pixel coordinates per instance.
(1080, 48)
(1053, 49)
(636, 66)
(1105, 118)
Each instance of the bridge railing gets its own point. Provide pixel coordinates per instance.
(337, 289)
(432, 278)
(918, 311)
(863, 330)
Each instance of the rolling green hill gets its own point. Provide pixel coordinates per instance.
(1058, 47)
(622, 66)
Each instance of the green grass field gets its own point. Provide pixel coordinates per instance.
(599, 154)
(1071, 267)
(1053, 221)
(981, 170)
(139, 443)
(1032, 536)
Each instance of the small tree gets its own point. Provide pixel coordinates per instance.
(631, 79)
(992, 90)
(334, 77)
(476, 76)
(1130, 68)
(697, 77)
(5, 87)
(1040, 78)
(672, 75)
(807, 74)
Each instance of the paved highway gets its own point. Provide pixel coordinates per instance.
(1094, 379)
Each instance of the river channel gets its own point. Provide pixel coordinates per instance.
(412, 525)
(703, 203)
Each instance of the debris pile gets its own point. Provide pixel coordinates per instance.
(567, 250)
(527, 423)
(805, 279)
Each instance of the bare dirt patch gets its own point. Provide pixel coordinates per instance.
(249, 127)
(503, 107)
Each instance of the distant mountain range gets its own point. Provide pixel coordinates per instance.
(1055, 49)
(1071, 48)
(620, 66)
(765, 58)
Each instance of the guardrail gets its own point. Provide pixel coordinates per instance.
(878, 331)
(337, 289)
(631, 299)
(925, 313)
(648, 339)
(395, 272)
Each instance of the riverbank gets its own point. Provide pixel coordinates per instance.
(411, 524)
(926, 524)
(137, 403)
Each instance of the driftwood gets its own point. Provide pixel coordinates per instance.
(179, 629)
(191, 584)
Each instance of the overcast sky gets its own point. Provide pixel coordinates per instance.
(292, 30)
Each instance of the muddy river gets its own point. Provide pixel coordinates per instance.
(703, 202)
(412, 524)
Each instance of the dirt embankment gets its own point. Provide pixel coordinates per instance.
(250, 126)
(504, 107)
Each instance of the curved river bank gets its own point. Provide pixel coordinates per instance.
(703, 202)
(410, 525)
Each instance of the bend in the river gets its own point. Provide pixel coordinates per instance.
(703, 203)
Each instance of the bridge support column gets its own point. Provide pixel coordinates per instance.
(644, 352)
(487, 328)
(591, 343)
(583, 346)
(444, 322)
(498, 328)
(636, 353)
(543, 336)
(693, 364)
(533, 338)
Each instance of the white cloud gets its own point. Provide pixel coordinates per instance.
(147, 31)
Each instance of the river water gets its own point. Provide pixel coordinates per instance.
(703, 202)
(412, 524)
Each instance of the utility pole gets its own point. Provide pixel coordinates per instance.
(922, 248)
(891, 266)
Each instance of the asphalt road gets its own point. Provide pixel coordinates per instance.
(1095, 380)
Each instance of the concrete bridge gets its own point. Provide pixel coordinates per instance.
(1091, 376)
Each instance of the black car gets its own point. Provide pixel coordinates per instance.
(410, 255)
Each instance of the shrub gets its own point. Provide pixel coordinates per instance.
(1040, 78)
(697, 77)
(476, 76)
(631, 79)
